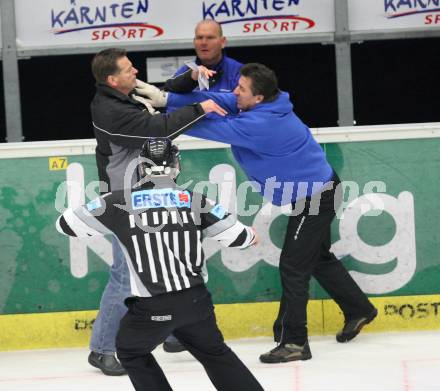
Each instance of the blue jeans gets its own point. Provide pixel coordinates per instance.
(112, 307)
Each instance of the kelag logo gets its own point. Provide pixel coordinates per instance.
(430, 9)
(251, 14)
(113, 21)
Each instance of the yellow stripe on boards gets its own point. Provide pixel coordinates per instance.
(48, 330)
(256, 319)
(73, 329)
(400, 313)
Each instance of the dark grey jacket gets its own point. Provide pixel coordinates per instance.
(121, 125)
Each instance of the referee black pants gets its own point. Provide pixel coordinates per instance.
(306, 253)
(189, 315)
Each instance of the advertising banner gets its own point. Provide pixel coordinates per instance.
(385, 231)
(393, 14)
(70, 22)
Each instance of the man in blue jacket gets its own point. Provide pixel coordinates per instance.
(209, 44)
(279, 155)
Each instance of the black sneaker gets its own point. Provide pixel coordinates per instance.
(107, 363)
(173, 345)
(352, 327)
(287, 352)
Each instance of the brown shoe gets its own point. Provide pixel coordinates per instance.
(353, 327)
(287, 352)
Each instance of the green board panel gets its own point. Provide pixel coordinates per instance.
(393, 250)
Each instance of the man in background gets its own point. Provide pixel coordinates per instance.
(209, 44)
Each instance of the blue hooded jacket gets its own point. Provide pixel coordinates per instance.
(268, 141)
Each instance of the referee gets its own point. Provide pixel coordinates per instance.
(160, 228)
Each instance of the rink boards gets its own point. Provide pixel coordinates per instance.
(244, 320)
(386, 234)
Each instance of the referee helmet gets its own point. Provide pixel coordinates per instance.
(159, 157)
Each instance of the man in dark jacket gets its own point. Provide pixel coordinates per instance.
(159, 228)
(121, 125)
(279, 155)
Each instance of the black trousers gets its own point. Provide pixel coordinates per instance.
(189, 315)
(306, 253)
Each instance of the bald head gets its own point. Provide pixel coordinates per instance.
(209, 42)
(211, 24)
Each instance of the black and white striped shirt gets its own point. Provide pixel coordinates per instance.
(160, 231)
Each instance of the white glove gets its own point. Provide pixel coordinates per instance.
(156, 97)
(146, 103)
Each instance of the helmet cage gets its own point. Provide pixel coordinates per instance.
(159, 157)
